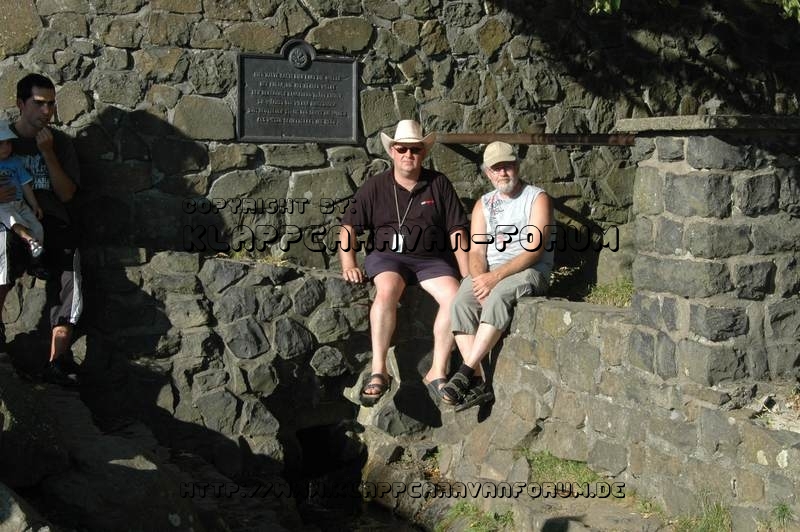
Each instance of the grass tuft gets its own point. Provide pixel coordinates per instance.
(476, 521)
(618, 294)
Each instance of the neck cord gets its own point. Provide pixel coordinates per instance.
(397, 207)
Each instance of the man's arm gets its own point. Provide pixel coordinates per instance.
(477, 251)
(63, 186)
(540, 217)
(347, 255)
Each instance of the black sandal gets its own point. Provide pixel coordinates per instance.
(455, 390)
(479, 394)
(381, 387)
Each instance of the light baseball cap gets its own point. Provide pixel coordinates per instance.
(498, 152)
(5, 131)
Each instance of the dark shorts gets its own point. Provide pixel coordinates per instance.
(412, 268)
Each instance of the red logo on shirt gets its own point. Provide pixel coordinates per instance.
(426, 202)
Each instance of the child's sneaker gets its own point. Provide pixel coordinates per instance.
(35, 247)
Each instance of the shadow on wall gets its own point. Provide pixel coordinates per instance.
(640, 46)
(130, 342)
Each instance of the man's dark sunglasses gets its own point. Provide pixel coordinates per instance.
(416, 150)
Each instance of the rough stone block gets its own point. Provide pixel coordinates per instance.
(648, 191)
(753, 280)
(328, 362)
(749, 486)
(757, 194)
(780, 489)
(708, 364)
(185, 311)
(497, 465)
(669, 236)
(714, 153)
(766, 447)
(698, 194)
(343, 34)
(216, 275)
(783, 319)
(783, 360)
(787, 276)
(641, 350)
(608, 458)
(716, 322)
(568, 408)
(657, 312)
(790, 192)
(564, 441)
(577, 363)
(328, 325)
(675, 432)
(643, 235)
(718, 433)
(201, 117)
(244, 338)
(615, 422)
(687, 278)
(773, 234)
(670, 148)
(716, 240)
(291, 339)
(657, 462)
(665, 364)
(236, 302)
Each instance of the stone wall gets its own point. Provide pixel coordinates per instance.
(665, 396)
(149, 91)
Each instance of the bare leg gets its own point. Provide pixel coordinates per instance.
(22, 231)
(59, 344)
(443, 290)
(383, 317)
(485, 339)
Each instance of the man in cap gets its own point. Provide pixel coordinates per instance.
(511, 256)
(416, 221)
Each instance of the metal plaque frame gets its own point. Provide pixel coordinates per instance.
(297, 96)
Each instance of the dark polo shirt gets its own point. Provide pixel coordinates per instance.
(434, 212)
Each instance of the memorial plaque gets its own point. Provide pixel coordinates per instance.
(297, 96)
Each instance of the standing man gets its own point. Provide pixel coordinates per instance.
(515, 261)
(416, 220)
(50, 158)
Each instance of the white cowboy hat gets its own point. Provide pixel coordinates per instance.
(5, 131)
(408, 132)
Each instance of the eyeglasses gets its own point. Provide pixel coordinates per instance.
(500, 167)
(416, 150)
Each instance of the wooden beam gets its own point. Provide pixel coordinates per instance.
(615, 139)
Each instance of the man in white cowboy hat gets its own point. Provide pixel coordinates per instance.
(518, 217)
(417, 221)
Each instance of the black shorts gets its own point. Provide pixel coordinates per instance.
(412, 268)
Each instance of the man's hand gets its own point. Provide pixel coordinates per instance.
(8, 193)
(38, 212)
(353, 275)
(482, 285)
(44, 140)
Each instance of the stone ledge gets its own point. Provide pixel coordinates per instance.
(695, 123)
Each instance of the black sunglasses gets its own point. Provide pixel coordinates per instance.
(402, 149)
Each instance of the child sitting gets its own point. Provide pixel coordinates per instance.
(16, 215)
